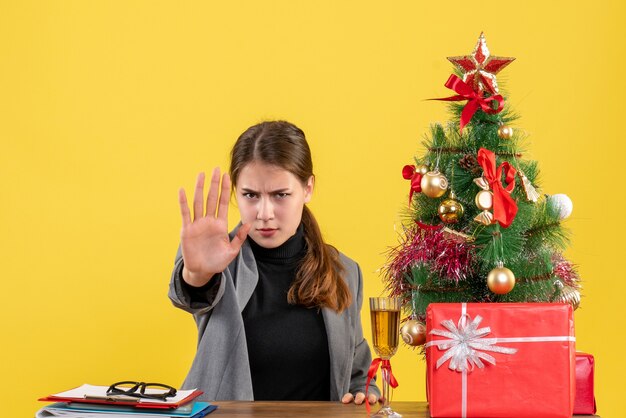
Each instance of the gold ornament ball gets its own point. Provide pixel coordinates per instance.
(566, 294)
(501, 280)
(434, 184)
(422, 169)
(413, 332)
(571, 296)
(484, 200)
(505, 132)
(450, 211)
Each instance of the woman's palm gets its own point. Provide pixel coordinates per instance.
(206, 246)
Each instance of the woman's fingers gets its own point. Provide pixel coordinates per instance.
(358, 399)
(222, 211)
(184, 207)
(372, 398)
(198, 198)
(347, 398)
(242, 233)
(211, 199)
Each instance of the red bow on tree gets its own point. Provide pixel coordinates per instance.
(409, 173)
(475, 100)
(504, 207)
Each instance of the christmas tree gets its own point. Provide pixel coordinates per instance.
(477, 227)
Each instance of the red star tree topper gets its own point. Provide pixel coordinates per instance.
(480, 67)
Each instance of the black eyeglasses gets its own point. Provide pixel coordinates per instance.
(138, 390)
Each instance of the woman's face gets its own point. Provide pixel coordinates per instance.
(271, 199)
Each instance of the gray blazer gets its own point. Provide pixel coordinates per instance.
(221, 367)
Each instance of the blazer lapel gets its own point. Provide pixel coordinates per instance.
(247, 275)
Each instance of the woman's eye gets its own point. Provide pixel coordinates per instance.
(282, 195)
(249, 195)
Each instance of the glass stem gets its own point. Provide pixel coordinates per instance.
(385, 374)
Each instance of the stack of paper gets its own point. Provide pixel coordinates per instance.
(89, 401)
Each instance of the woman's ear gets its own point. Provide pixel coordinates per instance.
(308, 189)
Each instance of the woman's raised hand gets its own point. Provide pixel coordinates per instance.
(205, 244)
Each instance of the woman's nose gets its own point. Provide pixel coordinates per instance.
(265, 210)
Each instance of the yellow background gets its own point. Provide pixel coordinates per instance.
(108, 107)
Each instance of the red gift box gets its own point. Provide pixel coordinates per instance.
(500, 360)
(585, 403)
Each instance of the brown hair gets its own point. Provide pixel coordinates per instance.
(319, 281)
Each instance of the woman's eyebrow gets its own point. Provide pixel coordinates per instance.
(282, 190)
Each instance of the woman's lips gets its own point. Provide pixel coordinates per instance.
(267, 232)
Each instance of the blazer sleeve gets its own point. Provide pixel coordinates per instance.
(362, 355)
(194, 300)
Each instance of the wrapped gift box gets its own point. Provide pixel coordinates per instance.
(500, 360)
(585, 403)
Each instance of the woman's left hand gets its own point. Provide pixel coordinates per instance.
(359, 398)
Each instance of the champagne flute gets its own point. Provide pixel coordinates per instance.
(385, 313)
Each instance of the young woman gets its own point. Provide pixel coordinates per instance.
(277, 309)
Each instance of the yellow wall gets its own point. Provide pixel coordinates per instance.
(108, 107)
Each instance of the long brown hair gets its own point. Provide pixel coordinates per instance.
(319, 281)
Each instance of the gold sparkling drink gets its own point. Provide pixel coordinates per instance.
(385, 314)
(385, 323)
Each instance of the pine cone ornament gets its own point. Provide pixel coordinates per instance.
(470, 163)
